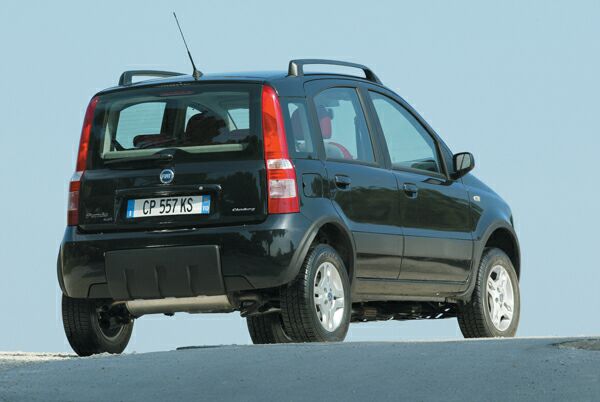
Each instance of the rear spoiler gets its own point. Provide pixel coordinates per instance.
(127, 76)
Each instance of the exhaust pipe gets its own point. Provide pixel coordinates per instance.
(171, 305)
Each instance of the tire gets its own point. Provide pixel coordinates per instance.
(84, 331)
(267, 328)
(476, 318)
(303, 312)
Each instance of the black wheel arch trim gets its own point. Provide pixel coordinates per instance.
(479, 248)
(310, 236)
(59, 274)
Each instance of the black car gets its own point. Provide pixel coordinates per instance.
(303, 201)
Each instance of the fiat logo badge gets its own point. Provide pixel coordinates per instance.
(166, 176)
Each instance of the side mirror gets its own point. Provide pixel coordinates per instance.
(464, 162)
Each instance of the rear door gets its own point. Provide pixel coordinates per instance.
(434, 209)
(175, 156)
(362, 190)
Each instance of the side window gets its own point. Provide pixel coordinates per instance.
(240, 118)
(189, 113)
(237, 119)
(297, 127)
(409, 144)
(343, 125)
(139, 119)
(205, 126)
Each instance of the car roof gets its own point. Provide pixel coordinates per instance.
(252, 76)
(231, 76)
(281, 80)
(292, 79)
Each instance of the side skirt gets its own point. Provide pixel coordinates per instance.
(366, 289)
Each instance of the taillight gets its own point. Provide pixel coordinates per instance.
(281, 175)
(75, 184)
(73, 201)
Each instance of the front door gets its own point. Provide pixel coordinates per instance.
(434, 210)
(361, 189)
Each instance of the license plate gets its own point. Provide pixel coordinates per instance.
(166, 206)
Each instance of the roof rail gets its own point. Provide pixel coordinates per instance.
(127, 76)
(296, 67)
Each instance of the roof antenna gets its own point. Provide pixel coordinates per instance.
(196, 74)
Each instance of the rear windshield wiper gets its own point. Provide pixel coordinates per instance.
(153, 157)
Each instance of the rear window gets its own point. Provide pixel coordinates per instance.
(201, 121)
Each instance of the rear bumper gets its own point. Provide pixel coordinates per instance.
(246, 257)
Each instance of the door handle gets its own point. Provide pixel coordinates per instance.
(342, 181)
(411, 190)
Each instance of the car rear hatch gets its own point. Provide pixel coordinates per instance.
(185, 155)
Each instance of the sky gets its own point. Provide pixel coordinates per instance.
(515, 83)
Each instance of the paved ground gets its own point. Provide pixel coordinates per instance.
(481, 370)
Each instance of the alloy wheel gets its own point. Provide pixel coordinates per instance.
(500, 298)
(329, 296)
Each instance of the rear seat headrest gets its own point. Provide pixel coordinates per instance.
(203, 127)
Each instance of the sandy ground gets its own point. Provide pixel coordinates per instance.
(14, 359)
(543, 369)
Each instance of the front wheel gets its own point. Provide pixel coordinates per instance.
(316, 306)
(494, 308)
(88, 333)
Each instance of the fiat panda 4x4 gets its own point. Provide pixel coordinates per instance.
(303, 201)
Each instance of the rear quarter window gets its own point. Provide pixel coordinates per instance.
(297, 127)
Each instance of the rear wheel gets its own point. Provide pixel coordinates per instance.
(88, 332)
(494, 308)
(316, 306)
(267, 328)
